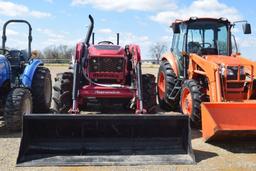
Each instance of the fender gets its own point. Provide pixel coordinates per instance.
(5, 70)
(29, 72)
(173, 62)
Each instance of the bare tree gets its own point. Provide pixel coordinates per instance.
(157, 50)
(55, 53)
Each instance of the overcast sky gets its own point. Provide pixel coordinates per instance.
(143, 22)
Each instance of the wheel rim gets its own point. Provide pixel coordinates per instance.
(26, 108)
(47, 91)
(186, 102)
(161, 85)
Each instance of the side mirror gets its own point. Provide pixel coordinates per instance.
(176, 28)
(247, 28)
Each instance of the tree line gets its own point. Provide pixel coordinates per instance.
(57, 54)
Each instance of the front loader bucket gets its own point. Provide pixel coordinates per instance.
(105, 140)
(228, 120)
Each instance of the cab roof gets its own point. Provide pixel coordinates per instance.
(194, 19)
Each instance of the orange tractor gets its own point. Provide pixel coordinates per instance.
(207, 79)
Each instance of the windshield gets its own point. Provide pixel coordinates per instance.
(208, 36)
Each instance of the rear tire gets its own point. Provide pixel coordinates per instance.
(18, 103)
(190, 101)
(165, 83)
(62, 92)
(149, 93)
(42, 90)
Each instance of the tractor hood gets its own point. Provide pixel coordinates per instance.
(106, 50)
(226, 60)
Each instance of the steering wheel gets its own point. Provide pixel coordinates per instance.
(4, 51)
(206, 43)
(105, 42)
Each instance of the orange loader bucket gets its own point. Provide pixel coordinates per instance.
(225, 120)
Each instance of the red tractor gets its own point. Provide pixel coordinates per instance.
(107, 74)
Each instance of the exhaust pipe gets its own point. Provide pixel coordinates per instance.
(117, 38)
(89, 32)
(77, 68)
(93, 38)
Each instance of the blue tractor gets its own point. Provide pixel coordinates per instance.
(25, 84)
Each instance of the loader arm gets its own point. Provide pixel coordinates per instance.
(222, 119)
(209, 70)
(134, 50)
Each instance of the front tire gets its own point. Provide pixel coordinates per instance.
(190, 101)
(62, 92)
(42, 90)
(165, 84)
(18, 103)
(149, 93)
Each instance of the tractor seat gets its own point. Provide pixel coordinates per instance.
(193, 47)
(24, 55)
(16, 58)
(207, 51)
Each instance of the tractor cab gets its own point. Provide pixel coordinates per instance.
(204, 37)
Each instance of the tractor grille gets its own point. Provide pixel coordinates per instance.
(234, 76)
(100, 64)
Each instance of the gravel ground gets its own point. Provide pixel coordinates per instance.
(219, 156)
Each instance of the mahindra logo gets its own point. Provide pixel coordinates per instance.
(105, 75)
(106, 92)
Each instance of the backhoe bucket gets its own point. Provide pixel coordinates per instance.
(228, 120)
(59, 140)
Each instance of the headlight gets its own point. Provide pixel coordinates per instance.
(230, 72)
(95, 67)
(233, 70)
(119, 68)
